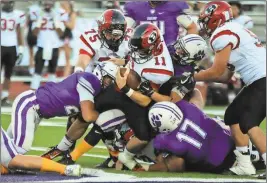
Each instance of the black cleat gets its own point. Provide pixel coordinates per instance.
(108, 163)
(52, 153)
(66, 159)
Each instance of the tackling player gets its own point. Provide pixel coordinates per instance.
(12, 159)
(12, 45)
(73, 95)
(166, 15)
(48, 26)
(233, 44)
(189, 140)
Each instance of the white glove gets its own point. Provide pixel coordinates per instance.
(128, 161)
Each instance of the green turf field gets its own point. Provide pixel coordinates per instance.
(46, 136)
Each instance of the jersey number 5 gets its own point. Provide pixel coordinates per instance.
(184, 137)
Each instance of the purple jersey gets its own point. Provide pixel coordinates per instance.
(163, 15)
(63, 98)
(199, 139)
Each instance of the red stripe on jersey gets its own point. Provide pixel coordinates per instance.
(102, 59)
(157, 71)
(226, 32)
(88, 45)
(21, 15)
(84, 52)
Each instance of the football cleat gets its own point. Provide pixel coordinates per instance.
(66, 159)
(108, 163)
(243, 165)
(52, 153)
(73, 170)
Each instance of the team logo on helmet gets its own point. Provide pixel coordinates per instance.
(211, 8)
(156, 120)
(152, 37)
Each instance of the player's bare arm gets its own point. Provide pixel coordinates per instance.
(134, 95)
(169, 164)
(218, 68)
(83, 61)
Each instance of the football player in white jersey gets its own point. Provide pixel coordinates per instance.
(12, 45)
(243, 20)
(48, 27)
(106, 41)
(235, 45)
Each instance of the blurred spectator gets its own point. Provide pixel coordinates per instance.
(67, 35)
(111, 4)
(12, 45)
(48, 26)
(31, 38)
(244, 20)
(164, 14)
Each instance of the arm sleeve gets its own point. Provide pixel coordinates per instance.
(85, 90)
(94, 136)
(224, 38)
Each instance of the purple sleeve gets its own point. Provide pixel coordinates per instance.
(90, 83)
(128, 10)
(181, 7)
(169, 143)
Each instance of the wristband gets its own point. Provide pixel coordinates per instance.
(125, 89)
(130, 92)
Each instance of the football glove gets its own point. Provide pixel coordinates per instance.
(146, 89)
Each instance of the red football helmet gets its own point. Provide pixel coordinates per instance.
(145, 43)
(213, 15)
(112, 27)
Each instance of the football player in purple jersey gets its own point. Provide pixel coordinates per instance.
(73, 95)
(189, 140)
(164, 14)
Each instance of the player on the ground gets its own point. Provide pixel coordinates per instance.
(235, 45)
(12, 44)
(12, 159)
(73, 95)
(163, 14)
(108, 40)
(48, 26)
(189, 140)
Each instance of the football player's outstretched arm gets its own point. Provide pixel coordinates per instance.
(218, 67)
(169, 164)
(83, 61)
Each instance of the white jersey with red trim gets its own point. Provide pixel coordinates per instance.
(91, 45)
(48, 36)
(158, 69)
(9, 22)
(245, 21)
(248, 56)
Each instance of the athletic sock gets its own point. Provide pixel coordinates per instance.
(36, 81)
(4, 94)
(65, 144)
(82, 148)
(243, 149)
(52, 166)
(264, 157)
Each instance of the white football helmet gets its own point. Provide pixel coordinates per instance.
(105, 69)
(165, 117)
(189, 49)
